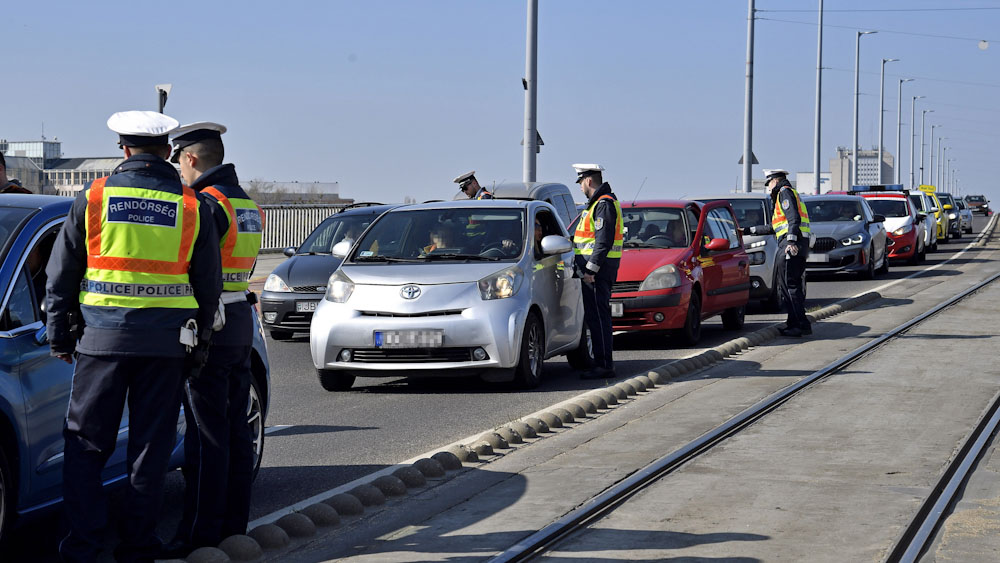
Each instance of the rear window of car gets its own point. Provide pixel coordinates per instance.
(823, 210)
(889, 207)
(975, 198)
(749, 212)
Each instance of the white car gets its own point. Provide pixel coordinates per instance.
(463, 288)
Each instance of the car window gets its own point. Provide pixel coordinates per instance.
(917, 201)
(21, 308)
(866, 209)
(442, 235)
(545, 224)
(822, 210)
(721, 225)
(692, 221)
(333, 230)
(10, 218)
(654, 227)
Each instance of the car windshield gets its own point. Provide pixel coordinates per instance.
(749, 212)
(889, 207)
(975, 198)
(960, 204)
(946, 199)
(822, 210)
(655, 227)
(916, 202)
(335, 229)
(444, 235)
(10, 219)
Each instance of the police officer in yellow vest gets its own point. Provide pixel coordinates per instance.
(138, 258)
(790, 224)
(598, 247)
(218, 448)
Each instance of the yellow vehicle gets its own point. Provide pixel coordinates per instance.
(940, 215)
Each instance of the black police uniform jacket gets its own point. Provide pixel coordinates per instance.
(598, 263)
(117, 331)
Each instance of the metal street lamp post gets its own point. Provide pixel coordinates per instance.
(748, 106)
(531, 94)
(819, 91)
(854, 137)
(913, 129)
(922, 137)
(930, 155)
(899, 128)
(942, 154)
(881, 116)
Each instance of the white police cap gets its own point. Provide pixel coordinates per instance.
(141, 128)
(465, 178)
(584, 170)
(192, 133)
(775, 172)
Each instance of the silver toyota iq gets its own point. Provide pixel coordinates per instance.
(462, 288)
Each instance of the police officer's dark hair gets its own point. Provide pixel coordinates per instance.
(211, 151)
(162, 151)
(598, 178)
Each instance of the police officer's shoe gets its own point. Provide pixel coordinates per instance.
(599, 373)
(793, 332)
(176, 549)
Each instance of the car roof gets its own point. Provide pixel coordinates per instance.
(367, 210)
(520, 190)
(657, 203)
(832, 197)
(885, 195)
(744, 195)
(475, 203)
(32, 201)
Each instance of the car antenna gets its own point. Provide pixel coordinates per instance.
(639, 190)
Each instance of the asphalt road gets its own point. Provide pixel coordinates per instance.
(320, 440)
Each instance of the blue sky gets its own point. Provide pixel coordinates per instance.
(395, 98)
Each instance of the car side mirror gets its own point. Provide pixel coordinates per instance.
(934, 210)
(555, 244)
(717, 244)
(289, 252)
(948, 207)
(341, 249)
(878, 218)
(920, 217)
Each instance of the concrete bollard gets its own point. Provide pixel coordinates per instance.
(345, 504)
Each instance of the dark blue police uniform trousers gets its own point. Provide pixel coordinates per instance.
(597, 314)
(100, 387)
(789, 274)
(218, 449)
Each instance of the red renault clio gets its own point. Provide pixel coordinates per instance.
(683, 262)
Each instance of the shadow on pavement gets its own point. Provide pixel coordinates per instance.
(316, 429)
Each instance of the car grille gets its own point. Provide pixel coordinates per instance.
(622, 287)
(414, 355)
(824, 244)
(309, 289)
(425, 314)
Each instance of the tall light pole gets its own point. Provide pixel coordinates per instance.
(881, 116)
(819, 93)
(854, 137)
(162, 92)
(922, 137)
(748, 106)
(531, 94)
(913, 129)
(899, 128)
(942, 151)
(930, 154)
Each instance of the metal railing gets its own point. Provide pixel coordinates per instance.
(289, 225)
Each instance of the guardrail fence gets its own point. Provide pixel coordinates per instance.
(289, 225)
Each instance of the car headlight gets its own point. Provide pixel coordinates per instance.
(275, 283)
(340, 287)
(853, 239)
(502, 284)
(952, 216)
(903, 230)
(663, 277)
(756, 258)
(757, 244)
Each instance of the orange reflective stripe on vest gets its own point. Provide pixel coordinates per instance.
(229, 245)
(95, 209)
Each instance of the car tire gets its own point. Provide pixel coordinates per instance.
(734, 318)
(691, 333)
(281, 334)
(255, 420)
(869, 272)
(335, 380)
(583, 357)
(8, 497)
(531, 358)
(884, 268)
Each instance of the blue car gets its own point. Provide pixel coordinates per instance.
(35, 387)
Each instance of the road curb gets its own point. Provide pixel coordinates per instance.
(300, 527)
(986, 234)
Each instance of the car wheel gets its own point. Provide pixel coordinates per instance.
(255, 420)
(583, 357)
(281, 334)
(691, 333)
(335, 380)
(869, 272)
(884, 268)
(7, 497)
(733, 319)
(528, 372)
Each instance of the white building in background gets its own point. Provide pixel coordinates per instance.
(41, 168)
(805, 181)
(840, 168)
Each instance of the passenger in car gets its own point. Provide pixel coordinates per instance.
(442, 236)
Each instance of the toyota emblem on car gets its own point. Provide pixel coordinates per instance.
(409, 292)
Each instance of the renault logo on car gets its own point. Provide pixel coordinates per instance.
(409, 292)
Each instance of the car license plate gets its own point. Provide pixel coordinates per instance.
(617, 309)
(305, 306)
(818, 258)
(409, 338)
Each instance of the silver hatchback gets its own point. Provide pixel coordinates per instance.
(464, 288)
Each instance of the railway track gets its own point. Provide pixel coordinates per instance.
(908, 547)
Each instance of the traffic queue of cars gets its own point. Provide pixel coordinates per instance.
(35, 387)
(487, 288)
